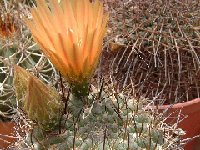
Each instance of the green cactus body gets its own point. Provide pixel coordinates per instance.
(102, 126)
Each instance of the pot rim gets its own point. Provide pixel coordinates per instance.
(188, 107)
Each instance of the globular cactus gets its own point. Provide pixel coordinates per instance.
(158, 39)
(84, 119)
(106, 121)
(9, 28)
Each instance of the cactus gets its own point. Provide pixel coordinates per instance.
(108, 121)
(17, 47)
(158, 39)
(9, 27)
(85, 118)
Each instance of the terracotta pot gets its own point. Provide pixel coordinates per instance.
(191, 124)
(7, 134)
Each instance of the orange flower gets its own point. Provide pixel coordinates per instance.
(70, 33)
